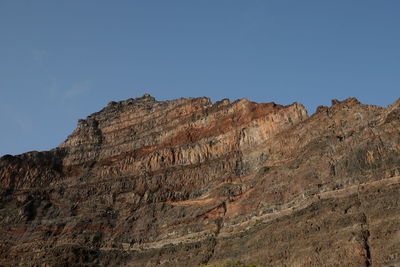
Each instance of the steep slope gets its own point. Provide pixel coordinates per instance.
(187, 182)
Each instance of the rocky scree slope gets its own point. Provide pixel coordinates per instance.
(187, 182)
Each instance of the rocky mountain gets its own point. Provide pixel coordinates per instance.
(188, 182)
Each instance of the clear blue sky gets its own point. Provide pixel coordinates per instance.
(62, 60)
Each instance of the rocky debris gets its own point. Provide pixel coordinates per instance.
(189, 182)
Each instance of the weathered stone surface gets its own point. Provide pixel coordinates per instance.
(188, 182)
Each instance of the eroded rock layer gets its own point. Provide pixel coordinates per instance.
(188, 182)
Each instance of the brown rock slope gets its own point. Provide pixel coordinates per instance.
(187, 182)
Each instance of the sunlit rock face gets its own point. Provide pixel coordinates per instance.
(189, 182)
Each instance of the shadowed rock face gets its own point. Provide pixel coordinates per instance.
(187, 182)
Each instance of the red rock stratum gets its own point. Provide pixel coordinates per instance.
(189, 182)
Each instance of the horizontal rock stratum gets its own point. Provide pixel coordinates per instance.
(188, 182)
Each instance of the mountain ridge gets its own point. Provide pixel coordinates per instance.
(145, 183)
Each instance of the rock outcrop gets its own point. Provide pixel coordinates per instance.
(189, 182)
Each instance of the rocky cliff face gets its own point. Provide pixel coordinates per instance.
(188, 182)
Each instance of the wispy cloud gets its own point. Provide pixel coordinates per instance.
(24, 122)
(38, 55)
(52, 89)
(78, 89)
(17, 117)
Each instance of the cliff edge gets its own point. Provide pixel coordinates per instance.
(189, 182)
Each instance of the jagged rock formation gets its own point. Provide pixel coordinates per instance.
(187, 182)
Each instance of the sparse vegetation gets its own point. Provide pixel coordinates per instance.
(258, 222)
